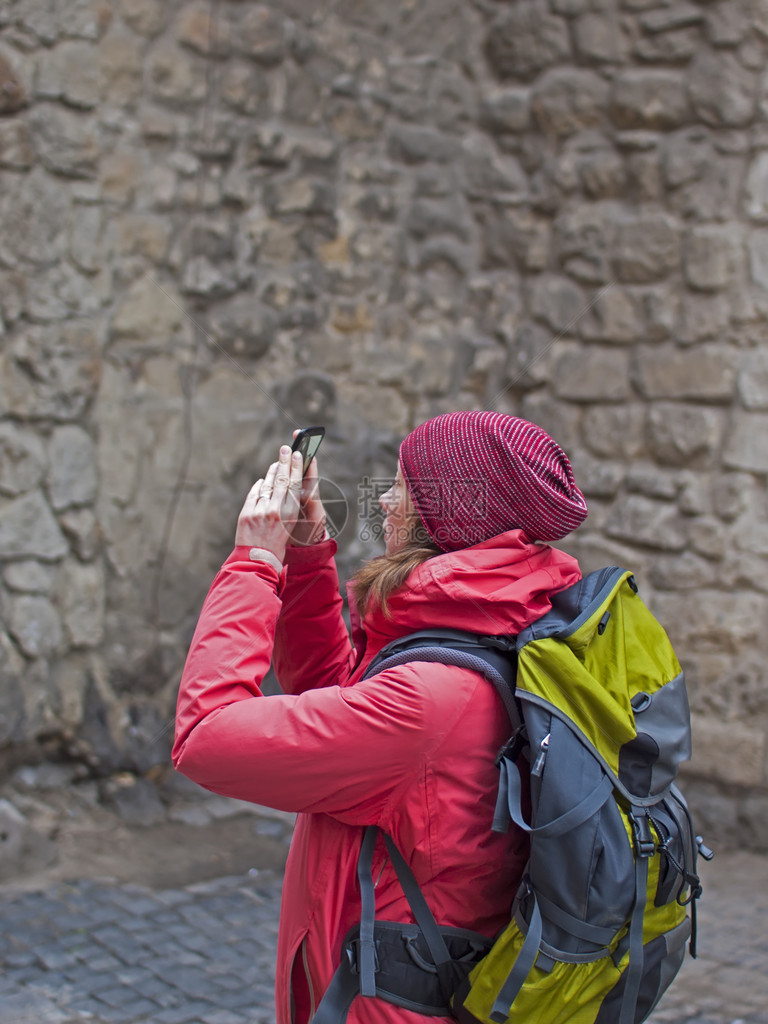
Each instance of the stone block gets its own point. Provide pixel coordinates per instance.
(70, 73)
(712, 255)
(756, 189)
(585, 239)
(35, 625)
(244, 87)
(243, 327)
(83, 604)
(204, 30)
(16, 152)
(13, 93)
(570, 100)
(731, 493)
(512, 237)
(301, 195)
(60, 292)
(51, 372)
(86, 241)
(666, 19)
(150, 311)
(412, 145)
(71, 479)
(597, 478)
(676, 46)
(684, 435)
(145, 17)
(28, 529)
(603, 173)
(529, 362)
(753, 380)
(29, 577)
(525, 39)
(615, 315)
(35, 215)
(599, 37)
(506, 110)
(615, 431)
(649, 99)
(558, 302)
(757, 247)
(637, 519)
(82, 530)
(714, 744)
(713, 624)
(142, 235)
(489, 175)
(22, 459)
(121, 64)
(686, 156)
(686, 571)
(591, 373)
(722, 92)
(653, 482)
(706, 373)
(261, 35)
(703, 317)
(67, 143)
(747, 443)
(648, 248)
(174, 77)
(225, 396)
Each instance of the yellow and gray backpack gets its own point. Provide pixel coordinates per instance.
(600, 923)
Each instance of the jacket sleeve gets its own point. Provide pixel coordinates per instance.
(312, 645)
(345, 751)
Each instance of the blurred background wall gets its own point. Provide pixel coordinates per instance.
(221, 220)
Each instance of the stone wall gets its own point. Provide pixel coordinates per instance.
(220, 220)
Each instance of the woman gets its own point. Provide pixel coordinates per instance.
(476, 497)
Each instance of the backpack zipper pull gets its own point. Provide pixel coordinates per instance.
(538, 766)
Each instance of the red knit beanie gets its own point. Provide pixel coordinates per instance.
(473, 475)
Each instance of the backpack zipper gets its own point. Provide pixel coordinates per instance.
(538, 766)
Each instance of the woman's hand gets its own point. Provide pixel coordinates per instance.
(310, 528)
(272, 507)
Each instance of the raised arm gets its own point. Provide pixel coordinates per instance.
(312, 645)
(345, 751)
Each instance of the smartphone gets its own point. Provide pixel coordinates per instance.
(307, 441)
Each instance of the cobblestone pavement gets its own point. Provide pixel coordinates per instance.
(123, 954)
(119, 954)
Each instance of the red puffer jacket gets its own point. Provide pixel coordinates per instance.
(410, 749)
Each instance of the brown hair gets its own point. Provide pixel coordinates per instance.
(382, 576)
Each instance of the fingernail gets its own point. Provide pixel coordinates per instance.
(285, 450)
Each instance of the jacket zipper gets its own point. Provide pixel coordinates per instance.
(308, 978)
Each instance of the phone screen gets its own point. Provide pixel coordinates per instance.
(307, 441)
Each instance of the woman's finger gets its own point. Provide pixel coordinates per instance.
(282, 474)
(296, 474)
(252, 497)
(269, 479)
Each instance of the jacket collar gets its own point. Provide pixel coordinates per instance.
(497, 587)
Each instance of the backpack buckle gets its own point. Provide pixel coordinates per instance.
(512, 749)
(500, 643)
(645, 844)
(352, 951)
